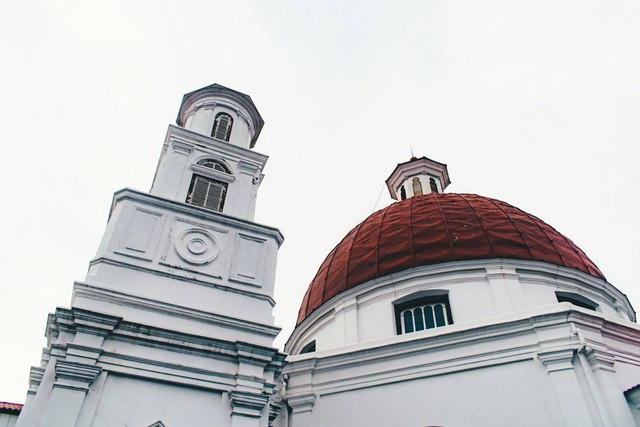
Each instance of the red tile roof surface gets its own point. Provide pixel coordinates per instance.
(437, 228)
(10, 408)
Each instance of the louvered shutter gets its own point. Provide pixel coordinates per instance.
(434, 186)
(215, 196)
(222, 127)
(199, 191)
(207, 193)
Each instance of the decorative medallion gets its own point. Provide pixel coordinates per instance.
(196, 246)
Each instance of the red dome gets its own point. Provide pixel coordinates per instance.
(437, 228)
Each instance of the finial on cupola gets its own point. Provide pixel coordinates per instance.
(416, 177)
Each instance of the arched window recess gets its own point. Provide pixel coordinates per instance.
(422, 310)
(213, 168)
(309, 347)
(417, 186)
(433, 185)
(222, 126)
(577, 300)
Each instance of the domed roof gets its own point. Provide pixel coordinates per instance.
(437, 228)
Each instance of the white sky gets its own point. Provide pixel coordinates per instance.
(536, 103)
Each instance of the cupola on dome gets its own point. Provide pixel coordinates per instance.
(436, 228)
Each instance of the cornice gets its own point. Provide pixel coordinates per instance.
(185, 136)
(191, 279)
(380, 358)
(247, 404)
(121, 298)
(195, 211)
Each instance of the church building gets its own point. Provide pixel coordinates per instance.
(441, 309)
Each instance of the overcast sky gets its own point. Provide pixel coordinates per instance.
(536, 103)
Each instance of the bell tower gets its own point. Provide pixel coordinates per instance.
(206, 160)
(175, 313)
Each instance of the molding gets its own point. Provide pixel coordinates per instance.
(212, 173)
(513, 338)
(195, 212)
(600, 359)
(196, 246)
(94, 323)
(155, 370)
(302, 402)
(274, 410)
(36, 375)
(190, 279)
(200, 350)
(189, 137)
(557, 360)
(181, 147)
(120, 298)
(254, 355)
(248, 168)
(74, 375)
(247, 404)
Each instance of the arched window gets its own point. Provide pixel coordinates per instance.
(403, 193)
(423, 313)
(207, 193)
(222, 126)
(309, 347)
(433, 185)
(214, 164)
(577, 300)
(417, 187)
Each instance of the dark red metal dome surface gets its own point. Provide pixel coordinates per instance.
(433, 229)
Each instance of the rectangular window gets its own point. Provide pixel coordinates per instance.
(207, 193)
(423, 313)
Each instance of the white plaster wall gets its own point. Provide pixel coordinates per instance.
(476, 398)
(8, 420)
(131, 402)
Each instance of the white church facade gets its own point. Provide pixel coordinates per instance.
(441, 309)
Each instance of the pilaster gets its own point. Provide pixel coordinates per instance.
(559, 364)
(505, 289)
(302, 408)
(247, 408)
(614, 408)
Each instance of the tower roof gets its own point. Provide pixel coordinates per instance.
(437, 228)
(404, 172)
(216, 90)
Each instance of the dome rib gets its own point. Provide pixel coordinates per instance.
(355, 237)
(384, 216)
(446, 227)
(413, 246)
(437, 228)
(513, 224)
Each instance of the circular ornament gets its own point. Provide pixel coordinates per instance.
(196, 246)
